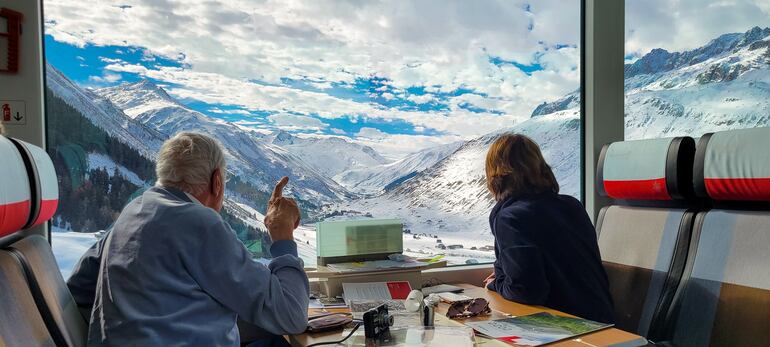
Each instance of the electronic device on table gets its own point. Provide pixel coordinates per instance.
(358, 240)
(442, 288)
(377, 322)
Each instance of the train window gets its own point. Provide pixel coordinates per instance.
(692, 72)
(375, 110)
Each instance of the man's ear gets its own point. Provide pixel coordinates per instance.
(216, 182)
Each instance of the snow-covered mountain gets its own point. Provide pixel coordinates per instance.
(660, 60)
(451, 196)
(257, 162)
(105, 115)
(572, 100)
(102, 113)
(722, 85)
(329, 155)
(375, 179)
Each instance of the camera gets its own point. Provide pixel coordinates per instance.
(377, 322)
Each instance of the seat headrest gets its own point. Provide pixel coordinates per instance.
(734, 165)
(15, 195)
(43, 182)
(655, 169)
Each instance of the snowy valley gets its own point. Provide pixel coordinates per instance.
(438, 192)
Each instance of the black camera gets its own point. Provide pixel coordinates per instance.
(377, 322)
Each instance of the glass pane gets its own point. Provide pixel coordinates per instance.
(691, 72)
(374, 110)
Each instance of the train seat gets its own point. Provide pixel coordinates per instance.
(644, 233)
(33, 253)
(22, 324)
(724, 295)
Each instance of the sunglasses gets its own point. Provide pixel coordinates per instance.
(468, 308)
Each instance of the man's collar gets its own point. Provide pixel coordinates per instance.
(193, 198)
(179, 194)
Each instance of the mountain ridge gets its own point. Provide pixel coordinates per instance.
(660, 60)
(247, 155)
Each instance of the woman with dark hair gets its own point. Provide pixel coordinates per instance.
(545, 244)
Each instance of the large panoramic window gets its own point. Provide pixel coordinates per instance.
(694, 67)
(373, 109)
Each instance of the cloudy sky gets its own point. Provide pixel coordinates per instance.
(398, 75)
(678, 25)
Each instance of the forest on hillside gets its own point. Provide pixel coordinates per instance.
(91, 199)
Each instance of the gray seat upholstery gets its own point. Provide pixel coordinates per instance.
(724, 299)
(50, 291)
(643, 251)
(20, 322)
(32, 255)
(644, 235)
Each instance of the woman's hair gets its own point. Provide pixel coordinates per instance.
(515, 166)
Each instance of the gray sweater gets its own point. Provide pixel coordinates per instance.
(176, 275)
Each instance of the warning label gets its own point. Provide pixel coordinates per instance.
(14, 112)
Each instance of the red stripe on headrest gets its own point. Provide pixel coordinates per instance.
(47, 210)
(738, 188)
(654, 189)
(13, 216)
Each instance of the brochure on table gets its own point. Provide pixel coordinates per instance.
(376, 291)
(535, 329)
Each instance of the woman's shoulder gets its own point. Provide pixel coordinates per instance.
(520, 207)
(528, 205)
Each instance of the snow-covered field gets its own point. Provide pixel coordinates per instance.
(101, 161)
(68, 247)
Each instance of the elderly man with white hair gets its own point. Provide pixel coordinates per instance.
(172, 273)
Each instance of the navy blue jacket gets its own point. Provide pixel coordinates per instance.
(547, 255)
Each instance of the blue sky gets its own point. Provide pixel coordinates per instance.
(86, 66)
(382, 74)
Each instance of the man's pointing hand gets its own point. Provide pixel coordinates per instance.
(282, 214)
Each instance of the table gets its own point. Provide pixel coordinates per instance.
(501, 308)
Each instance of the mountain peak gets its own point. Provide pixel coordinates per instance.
(660, 60)
(572, 100)
(143, 90)
(136, 98)
(753, 35)
(283, 137)
(149, 87)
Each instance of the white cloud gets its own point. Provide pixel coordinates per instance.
(221, 111)
(218, 89)
(371, 133)
(421, 99)
(295, 122)
(687, 24)
(440, 45)
(399, 145)
(107, 77)
(337, 131)
(111, 60)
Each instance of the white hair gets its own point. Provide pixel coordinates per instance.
(187, 161)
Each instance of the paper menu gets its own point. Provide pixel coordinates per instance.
(376, 291)
(535, 329)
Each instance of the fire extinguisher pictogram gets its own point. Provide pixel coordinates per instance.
(6, 113)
